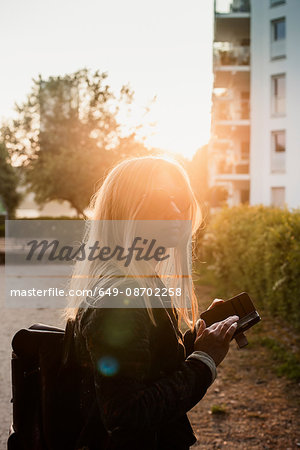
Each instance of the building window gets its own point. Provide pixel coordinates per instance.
(278, 196)
(244, 195)
(245, 105)
(278, 29)
(278, 94)
(278, 34)
(278, 151)
(245, 150)
(276, 2)
(279, 141)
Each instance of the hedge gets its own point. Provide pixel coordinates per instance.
(257, 249)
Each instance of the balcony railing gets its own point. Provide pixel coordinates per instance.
(230, 55)
(232, 6)
(219, 146)
(225, 111)
(224, 167)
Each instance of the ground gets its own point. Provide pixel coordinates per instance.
(249, 406)
(252, 407)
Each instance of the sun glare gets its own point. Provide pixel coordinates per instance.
(161, 49)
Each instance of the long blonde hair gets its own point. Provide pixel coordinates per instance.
(119, 198)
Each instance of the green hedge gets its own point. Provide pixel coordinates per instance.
(257, 249)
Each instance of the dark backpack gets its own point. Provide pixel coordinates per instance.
(45, 390)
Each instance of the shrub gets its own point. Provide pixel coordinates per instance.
(257, 249)
(2, 230)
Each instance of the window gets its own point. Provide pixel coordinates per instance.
(244, 195)
(279, 141)
(245, 95)
(277, 2)
(245, 149)
(278, 94)
(245, 110)
(278, 29)
(278, 196)
(278, 34)
(278, 151)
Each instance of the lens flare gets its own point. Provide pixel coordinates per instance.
(108, 366)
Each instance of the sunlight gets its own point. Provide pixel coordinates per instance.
(161, 49)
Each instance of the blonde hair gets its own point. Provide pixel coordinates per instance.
(119, 198)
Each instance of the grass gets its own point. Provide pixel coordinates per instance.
(289, 363)
(218, 409)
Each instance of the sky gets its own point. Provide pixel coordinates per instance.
(162, 48)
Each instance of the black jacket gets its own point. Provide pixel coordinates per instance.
(138, 384)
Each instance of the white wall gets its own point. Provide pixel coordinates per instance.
(293, 103)
(262, 123)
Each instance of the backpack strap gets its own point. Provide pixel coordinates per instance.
(68, 352)
(43, 327)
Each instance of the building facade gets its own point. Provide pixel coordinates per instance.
(255, 142)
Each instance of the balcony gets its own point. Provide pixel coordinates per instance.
(227, 56)
(228, 79)
(226, 111)
(233, 177)
(221, 146)
(227, 114)
(224, 167)
(232, 7)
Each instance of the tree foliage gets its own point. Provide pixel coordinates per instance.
(8, 183)
(67, 136)
(198, 172)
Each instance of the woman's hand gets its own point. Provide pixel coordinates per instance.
(216, 302)
(214, 340)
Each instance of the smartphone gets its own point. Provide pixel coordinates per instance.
(240, 305)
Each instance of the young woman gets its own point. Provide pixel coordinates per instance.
(141, 374)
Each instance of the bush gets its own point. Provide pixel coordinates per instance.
(2, 230)
(257, 249)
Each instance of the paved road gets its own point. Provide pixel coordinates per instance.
(11, 321)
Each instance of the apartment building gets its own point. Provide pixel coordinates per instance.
(255, 141)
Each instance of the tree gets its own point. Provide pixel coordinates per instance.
(8, 183)
(67, 135)
(198, 171)
(218, 196)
